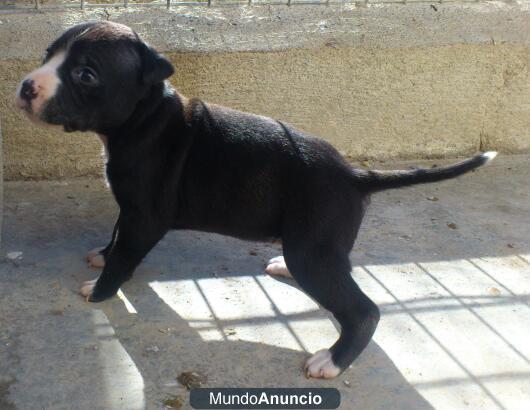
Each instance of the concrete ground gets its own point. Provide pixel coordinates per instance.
(449, 265)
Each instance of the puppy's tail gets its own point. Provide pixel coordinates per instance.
(373, 181)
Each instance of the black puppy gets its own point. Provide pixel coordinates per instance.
(175, 163)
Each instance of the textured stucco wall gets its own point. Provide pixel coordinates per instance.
(1, 184)
(376, 83)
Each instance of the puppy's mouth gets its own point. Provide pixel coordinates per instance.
(26, 107)
(48, 115)
(35, 118)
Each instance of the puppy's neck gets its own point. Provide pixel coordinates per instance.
(147, 109)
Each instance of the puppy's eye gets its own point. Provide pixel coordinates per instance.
(85, 76)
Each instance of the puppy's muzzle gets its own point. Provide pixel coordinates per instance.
(39, 86)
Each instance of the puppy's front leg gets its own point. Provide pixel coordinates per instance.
(134, 238)
(96, 257)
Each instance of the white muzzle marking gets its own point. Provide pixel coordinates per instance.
(45, 83)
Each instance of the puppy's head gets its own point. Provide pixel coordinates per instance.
(92, 78)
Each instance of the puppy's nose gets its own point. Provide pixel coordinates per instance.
(26, 91)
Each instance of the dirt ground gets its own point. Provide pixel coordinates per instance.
(449, 265)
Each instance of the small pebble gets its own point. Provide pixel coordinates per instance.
(494, 291)
(14, 255)
(174, 402)
(191, 380)
(346, 383)
(451, 225)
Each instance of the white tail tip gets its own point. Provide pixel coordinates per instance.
(488, 156)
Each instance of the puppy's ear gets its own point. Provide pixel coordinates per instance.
(155, 67)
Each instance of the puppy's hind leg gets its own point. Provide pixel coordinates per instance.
(324, 272)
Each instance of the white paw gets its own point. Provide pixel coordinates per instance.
(321, 366)
(277, 267)
(87, 288)
(95, 259)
